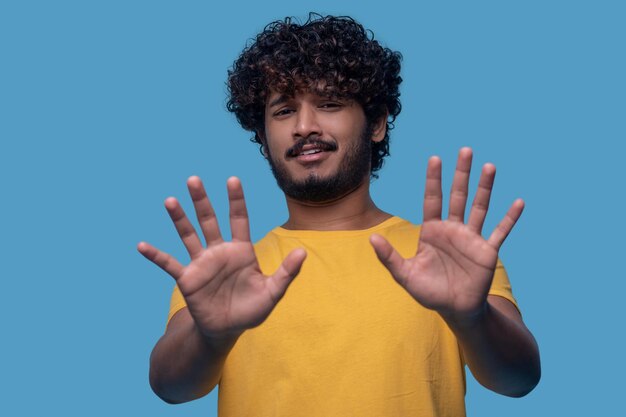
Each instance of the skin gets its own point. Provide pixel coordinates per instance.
(288, 120)
(226, 292)
(452, 271)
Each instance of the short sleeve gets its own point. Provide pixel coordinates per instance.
(177, 303)
(501, 286)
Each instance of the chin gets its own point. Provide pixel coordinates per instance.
(317, 189)
(326, 185)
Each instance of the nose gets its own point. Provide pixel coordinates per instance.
(306, 122)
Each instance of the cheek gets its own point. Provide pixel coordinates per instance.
(277, 134)
(346, 126)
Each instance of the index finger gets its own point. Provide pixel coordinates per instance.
(239, 223)
(432, 192)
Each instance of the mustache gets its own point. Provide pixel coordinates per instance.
(324, 145)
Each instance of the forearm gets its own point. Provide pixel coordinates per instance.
(185, 365)
(499, 350)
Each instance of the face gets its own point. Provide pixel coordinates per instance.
(318, 148)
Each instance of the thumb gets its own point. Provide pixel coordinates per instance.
(388, 256)
(287, 271)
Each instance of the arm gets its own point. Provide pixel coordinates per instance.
(499, 349)
(225, 291)
(184, 364)
(452, 271)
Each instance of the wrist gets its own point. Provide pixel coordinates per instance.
(217, 343)
(468, 319)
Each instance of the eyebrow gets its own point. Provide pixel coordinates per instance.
(278, 100)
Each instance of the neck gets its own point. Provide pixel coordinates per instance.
(353, 211)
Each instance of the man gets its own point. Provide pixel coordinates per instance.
(343, 338)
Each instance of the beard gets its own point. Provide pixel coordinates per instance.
(352, 171)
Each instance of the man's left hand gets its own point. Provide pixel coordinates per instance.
(452, 270)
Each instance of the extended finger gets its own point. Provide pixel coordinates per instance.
(503, 229)
(389, 257)
(432, 192)
(239, 223)
(480, 206)
(161, 259)
(458, 192)
(184, 227)
(204, 211)
(287, 271)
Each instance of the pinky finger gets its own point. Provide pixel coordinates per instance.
(161, 259)
(503, 229)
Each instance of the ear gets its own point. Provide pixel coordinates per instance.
(261, 135)
(380, 128)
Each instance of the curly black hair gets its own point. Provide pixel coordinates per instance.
(329, 55)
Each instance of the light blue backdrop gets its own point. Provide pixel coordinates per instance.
(107, 107)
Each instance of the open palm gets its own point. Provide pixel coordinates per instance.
(454, 265)
(223, 285)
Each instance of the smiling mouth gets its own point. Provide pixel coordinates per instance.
(310, 152)
(310, 147)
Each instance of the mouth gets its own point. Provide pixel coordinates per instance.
(307, 148)
(310, 151)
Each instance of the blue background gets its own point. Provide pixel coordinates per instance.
(107, 107)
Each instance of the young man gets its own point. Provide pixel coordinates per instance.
(343, 338)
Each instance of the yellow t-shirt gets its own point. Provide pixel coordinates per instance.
(346, 339)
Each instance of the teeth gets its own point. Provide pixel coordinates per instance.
(310, 152)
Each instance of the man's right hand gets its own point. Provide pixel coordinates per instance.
(223, 286)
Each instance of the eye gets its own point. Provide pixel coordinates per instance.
(283, 112)
(331, 105)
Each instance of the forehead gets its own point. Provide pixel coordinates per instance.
(275, 98)
(298, 86)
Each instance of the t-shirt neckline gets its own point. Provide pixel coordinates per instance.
(281, 231)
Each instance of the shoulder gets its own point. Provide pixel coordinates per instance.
(402, 234)
(271, 239)
(399, 228)
(272, 249)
